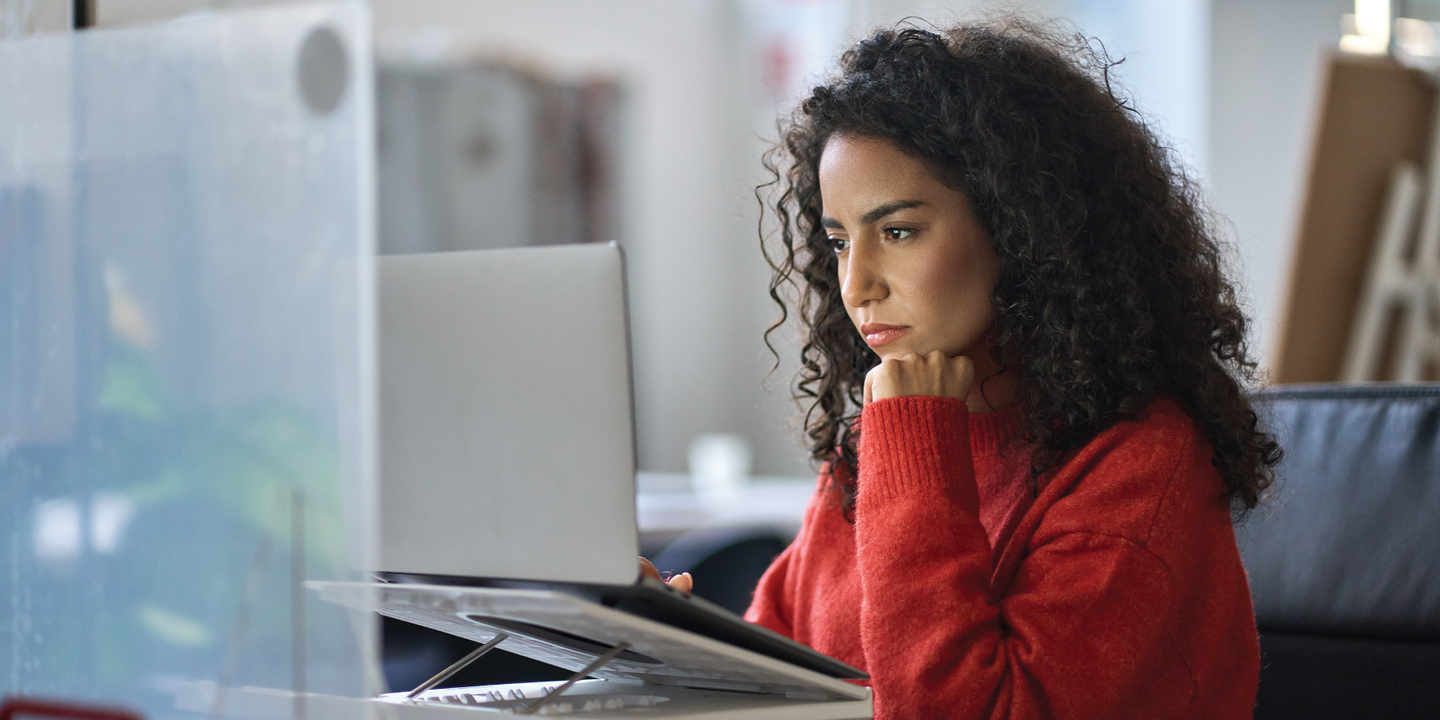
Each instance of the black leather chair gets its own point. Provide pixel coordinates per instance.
(1344, 561)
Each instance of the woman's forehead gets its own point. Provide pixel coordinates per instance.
(858, 174)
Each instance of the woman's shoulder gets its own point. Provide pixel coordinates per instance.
(1163, 430)
(1139, 473)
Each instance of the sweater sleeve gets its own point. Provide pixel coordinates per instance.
(1080, 632)
(774, 601)
(770, 606)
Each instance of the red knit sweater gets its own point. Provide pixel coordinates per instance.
(1116, 593)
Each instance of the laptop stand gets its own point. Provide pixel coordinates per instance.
(639, 667)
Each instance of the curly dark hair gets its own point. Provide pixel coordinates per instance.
(1112, 285)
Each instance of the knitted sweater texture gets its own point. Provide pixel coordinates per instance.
(1117, 592)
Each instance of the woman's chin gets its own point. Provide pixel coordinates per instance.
(899, 350)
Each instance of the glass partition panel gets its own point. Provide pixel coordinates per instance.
(186, 373)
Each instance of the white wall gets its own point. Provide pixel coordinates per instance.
(1266, 71)
(1165, 50)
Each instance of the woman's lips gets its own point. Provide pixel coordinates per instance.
(877, 334)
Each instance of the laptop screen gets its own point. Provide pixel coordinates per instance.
(506, 416)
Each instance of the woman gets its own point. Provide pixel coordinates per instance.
(1025, 368)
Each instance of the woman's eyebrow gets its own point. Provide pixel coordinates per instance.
(874, 215)
(888, 208)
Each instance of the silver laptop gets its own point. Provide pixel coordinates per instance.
(507, 435)
(507, 440)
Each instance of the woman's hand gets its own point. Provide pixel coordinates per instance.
(682, 582)
(931, 374)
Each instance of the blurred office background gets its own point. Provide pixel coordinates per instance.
(643, 121)
(664, 108)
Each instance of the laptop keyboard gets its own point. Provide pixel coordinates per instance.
(601, 698)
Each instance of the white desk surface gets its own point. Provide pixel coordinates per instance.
(666, 503)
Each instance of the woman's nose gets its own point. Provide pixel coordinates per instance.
(861, 279)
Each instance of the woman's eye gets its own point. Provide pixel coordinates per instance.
(897, 233)
(839, 245)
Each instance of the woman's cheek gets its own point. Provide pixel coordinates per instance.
(956, 288)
